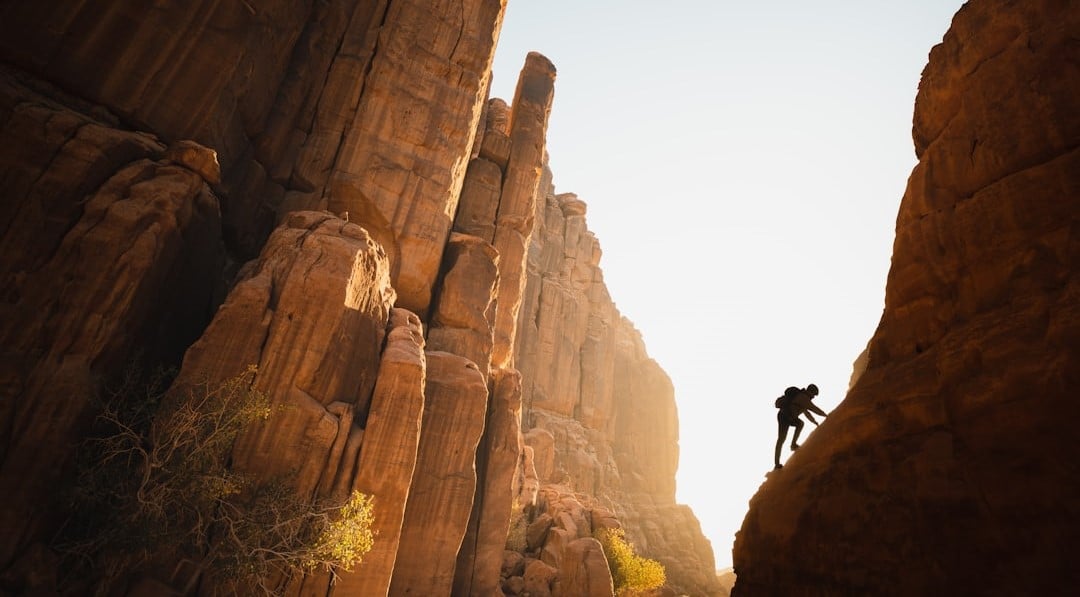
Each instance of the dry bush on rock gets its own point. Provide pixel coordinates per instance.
(156, 480)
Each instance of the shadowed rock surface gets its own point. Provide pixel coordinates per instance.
(951, 468)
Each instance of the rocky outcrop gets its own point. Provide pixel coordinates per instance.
(318, 279)
(105, 244)
(324, 191)
(498, 458)
(514, 218)
(444, 483)
(387, 457)
(599, 415)
(400, 161)
(359, 106)
(463, 321)
(949, 468)
(562, 556)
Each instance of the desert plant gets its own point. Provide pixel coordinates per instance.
(519, 525)
(630, 572)
(155, 479)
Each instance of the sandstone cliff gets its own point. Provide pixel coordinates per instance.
(324, 190)
(950, 467)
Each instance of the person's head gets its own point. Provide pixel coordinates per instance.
(812, 390)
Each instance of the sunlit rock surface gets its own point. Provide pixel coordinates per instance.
(360, 106)
(515, 216)
(599, 414)
(463, 321)
(387, 458)
(950, 468)
(311, 314)
(480, 558)
(319, 280)
(324, 190)
(444, 482)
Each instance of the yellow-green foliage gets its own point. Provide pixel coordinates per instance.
(516, 534)
(156, 480)
(346, 540)
(629, 571)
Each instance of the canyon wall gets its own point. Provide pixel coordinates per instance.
(950, 467)
(323, 190)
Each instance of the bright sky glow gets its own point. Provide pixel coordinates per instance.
(742, 163)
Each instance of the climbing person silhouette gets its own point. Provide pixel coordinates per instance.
(792, 404)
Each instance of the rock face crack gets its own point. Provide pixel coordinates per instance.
(353, 108)
(461, 32)
(1025, 167)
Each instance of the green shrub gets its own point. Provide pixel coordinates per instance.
(630, 572)
(156, 480)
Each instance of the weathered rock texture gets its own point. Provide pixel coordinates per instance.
(104, 247)
(319, 280)
(481, 555)
(364, 106)
(444, 484)
(950, 468)
(517, 201)
(387, 459)
(599, 415)
(324, 190)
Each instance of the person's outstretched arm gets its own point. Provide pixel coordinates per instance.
(810, 417)
(810, 406)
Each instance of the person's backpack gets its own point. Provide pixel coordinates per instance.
(784, 402)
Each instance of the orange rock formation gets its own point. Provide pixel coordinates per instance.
(950, 468)
(324, 190)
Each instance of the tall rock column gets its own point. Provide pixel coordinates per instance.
(385, 465)
(484, 178)
(517, 201)
(400, 166)
(444, 482)
(480, 558)
(950, 467)
(496, 207)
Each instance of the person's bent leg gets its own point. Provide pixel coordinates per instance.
(781, 435)
(798, 430)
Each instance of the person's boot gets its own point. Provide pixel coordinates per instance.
(794, 447)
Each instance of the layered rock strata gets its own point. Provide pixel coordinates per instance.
(323, 190)
(105, 243)
(950, 467)
(359, 106)
(444, 485)
(599, 415)
(514, 218)
(320, 280)
(387, 457)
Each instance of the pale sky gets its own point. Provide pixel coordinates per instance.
(743, 163)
